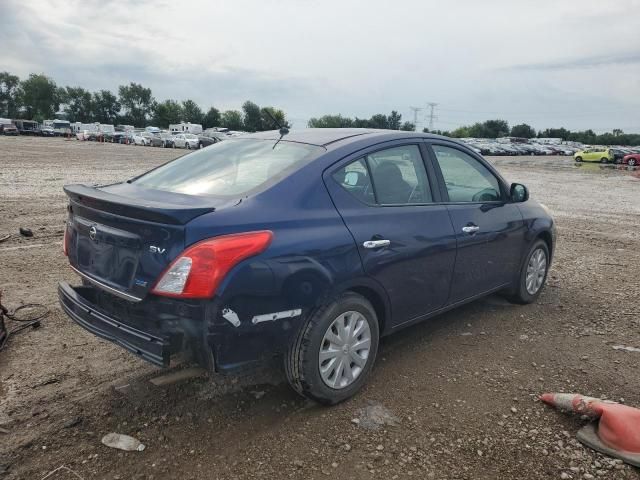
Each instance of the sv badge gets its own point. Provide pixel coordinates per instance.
(154, 249)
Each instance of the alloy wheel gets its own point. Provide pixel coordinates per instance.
(536, 271)
(344, 350)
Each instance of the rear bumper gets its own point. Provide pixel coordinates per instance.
(152, 348)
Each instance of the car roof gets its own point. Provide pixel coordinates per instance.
(326, 136)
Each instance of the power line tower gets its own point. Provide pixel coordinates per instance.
(432, 116)
(415, 110)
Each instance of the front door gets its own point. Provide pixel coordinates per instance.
(489, 229)
(405, 240)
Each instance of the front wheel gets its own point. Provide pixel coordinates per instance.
(533, 274)
(604, 160)
(334, 351)
(632, 162)
(578, 159)
(188, 146)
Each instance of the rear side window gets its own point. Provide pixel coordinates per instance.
(466, 178)
(230, 168)
(354, 178)
(399, 176)
(394, 176)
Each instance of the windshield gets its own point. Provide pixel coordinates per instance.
(61, 125)
(229, 168)
(190, 136)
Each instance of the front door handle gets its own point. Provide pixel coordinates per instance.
(470, 229)
(376, 243)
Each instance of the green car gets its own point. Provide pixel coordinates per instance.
(602, 155)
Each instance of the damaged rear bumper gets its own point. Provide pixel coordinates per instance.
(76, 303)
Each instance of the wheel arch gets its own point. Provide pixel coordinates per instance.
(546, 236)
(378, 299)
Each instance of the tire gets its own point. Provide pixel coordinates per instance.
(521, 294)
(188, 146)
(578, 159)
(604, 160)
(632, 162)
(302, 361)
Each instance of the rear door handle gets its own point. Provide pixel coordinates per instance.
(376, 243)
(470, 229)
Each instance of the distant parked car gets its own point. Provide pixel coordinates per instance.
(632, 159)
(8, 129)
(47, 132)
(186, 140)
(155, 140)
(618, 154)
(142, 138)
(122, 137)
(602, 155)
(27, 127)
(206, 140)
(167, 140)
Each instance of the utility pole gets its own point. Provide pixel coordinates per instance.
(432, 116)
(415, 116)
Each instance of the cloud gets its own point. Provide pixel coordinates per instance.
(592, 61)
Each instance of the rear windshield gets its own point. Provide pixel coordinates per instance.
(230, 168)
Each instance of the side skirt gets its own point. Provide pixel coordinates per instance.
(446, 308)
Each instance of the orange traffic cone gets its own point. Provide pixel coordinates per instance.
(616, 434)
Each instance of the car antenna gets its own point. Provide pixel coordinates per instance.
(283, 130)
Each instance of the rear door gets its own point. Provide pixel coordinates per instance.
(489, 229)
(405, 239)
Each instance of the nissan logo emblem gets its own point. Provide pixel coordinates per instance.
(92, 233)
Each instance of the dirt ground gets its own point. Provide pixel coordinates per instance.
(458, 393)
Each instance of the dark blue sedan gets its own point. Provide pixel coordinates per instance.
(308, 246)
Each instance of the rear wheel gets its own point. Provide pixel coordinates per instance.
(604, 160)
(632, 162)
(334, 351)
(578, 159)
(532, 275)
(188, 146)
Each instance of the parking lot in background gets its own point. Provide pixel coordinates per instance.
(462, 387)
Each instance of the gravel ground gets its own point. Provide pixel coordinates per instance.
(453, 398)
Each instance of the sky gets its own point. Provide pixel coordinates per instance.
(548, 63)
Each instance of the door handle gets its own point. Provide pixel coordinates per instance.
(470, 229)
(376, 243)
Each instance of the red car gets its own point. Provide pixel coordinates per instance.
(632, 159)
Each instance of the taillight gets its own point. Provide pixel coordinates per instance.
(198, 271)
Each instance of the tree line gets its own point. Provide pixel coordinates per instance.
(500, 128)
(38, 97)
(393, 121)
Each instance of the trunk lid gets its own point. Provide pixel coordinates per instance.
(122, 236)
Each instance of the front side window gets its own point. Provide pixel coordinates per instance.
(466, 178)
(229, 168)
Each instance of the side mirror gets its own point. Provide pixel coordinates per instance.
(519, 193)
(352, 178)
